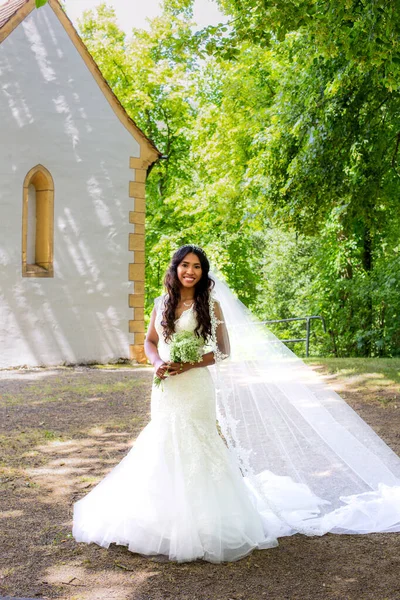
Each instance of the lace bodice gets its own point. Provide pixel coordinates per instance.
(186, 322)
(189, 395)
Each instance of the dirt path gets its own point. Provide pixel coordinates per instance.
(62, 429)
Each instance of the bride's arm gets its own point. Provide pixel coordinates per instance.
(176, 368)
(222, 332)
(150, 347)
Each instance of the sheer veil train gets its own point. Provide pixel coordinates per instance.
(311, 463)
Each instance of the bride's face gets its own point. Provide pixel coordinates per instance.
(189, 271)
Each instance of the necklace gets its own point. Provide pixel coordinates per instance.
(186, 304)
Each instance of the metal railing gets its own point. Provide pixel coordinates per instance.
(308, 328)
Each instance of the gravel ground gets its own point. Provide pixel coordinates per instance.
(62, 429)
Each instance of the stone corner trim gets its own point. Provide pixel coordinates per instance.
(137, 354)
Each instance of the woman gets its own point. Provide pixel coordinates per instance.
(178, 492)
(294, 457)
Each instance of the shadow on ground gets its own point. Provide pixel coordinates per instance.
(62, 429)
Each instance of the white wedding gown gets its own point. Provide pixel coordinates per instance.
(308, 463)
(179, 491)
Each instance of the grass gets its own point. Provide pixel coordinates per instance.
(17, 442)
(88, 479)
(51, 435)
(376, 378)
(112, 366)
(18, 448)
(45, 393)
(388, 367)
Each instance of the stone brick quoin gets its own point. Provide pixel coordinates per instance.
(139, 257)
(141, 164)
(136, 300)
(136, 272)
(138, 288)
(139, 205)
(139, 338)
(136, 327)
(136, 242)
(138, 229)
(137, 190)
(140, 175)
(138, 314)
(138, 218)
(137, 353)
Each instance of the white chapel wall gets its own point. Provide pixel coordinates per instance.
(53, 113)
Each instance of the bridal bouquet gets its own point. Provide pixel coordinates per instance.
(185, 347)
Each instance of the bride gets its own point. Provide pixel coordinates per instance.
(289, 455)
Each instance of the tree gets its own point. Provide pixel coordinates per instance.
(280, 159)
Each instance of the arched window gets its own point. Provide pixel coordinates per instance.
(38, 223)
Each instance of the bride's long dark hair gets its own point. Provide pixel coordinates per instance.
(201, 293)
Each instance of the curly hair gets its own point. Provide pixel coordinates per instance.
(201, 293)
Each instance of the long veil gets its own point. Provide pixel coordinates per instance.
(312, 464)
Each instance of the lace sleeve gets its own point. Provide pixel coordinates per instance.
(158, 302)
(219, 333)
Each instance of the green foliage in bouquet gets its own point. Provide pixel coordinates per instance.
(185, 348)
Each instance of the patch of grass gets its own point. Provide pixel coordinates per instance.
(51, 435)
(88, 479)
(9, 400)
(123, 423)
(20, 441)
(376, 378)
(15, 445)
(111, 366)
(7, 571)
(8, 473)
(84, 388)
(381, 367)
(12, 476)
(36, 394)
(54, 534)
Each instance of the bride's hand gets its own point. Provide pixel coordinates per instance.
(176, 368)
(160, 368)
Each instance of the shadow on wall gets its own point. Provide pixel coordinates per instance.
(82, 313)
